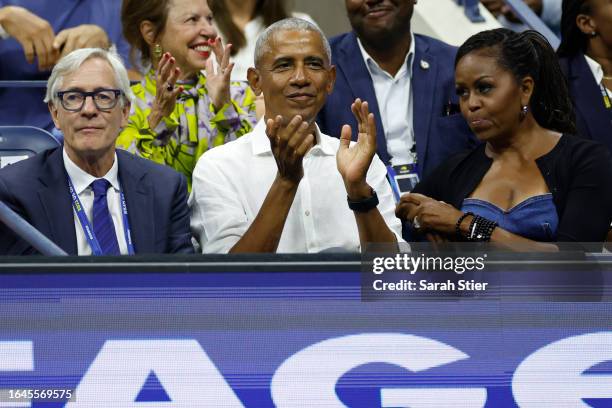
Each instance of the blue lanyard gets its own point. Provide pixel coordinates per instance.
(88, 229)
(394, 187)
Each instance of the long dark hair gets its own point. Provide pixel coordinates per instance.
(573, 40)
(529, 54)
(270, 10)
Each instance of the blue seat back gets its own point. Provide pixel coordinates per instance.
(20, 142)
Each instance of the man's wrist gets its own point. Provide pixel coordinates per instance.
(285, 183)
(154, 119)
(364, 204)
(358, 192)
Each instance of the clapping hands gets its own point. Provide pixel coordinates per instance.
(218, 80)
(290, 143)
(354, 161)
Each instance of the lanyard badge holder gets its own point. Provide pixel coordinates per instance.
(403, 178)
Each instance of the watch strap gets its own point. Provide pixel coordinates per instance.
(365, 204)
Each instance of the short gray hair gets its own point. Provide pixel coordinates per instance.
(73, 61)
(289, 24)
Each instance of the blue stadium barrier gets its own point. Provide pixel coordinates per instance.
(23, 84)
(27, 232)
(291, 331)
(531, 20)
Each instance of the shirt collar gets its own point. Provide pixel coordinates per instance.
(261, 143)
(81, 179)
(373, 66)
(596, 69)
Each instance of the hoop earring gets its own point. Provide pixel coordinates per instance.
(157, 51)
(524, 111)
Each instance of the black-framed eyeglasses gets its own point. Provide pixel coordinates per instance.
(104, 99)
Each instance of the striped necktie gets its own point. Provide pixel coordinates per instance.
(103, 226)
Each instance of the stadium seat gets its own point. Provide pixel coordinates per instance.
(20, 142)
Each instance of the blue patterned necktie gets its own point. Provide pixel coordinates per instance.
(102, 222)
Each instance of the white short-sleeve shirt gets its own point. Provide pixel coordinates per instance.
(230, 183)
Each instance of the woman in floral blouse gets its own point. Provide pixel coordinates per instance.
(184, 105)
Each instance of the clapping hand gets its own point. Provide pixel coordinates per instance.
(166, 91)
(289, 143)
(354, 161)
(218, 81)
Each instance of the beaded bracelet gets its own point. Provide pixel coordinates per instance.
(460, 220)
(481, 229)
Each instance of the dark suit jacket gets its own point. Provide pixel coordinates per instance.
(156, 198)
(437, 135)
(593, 120)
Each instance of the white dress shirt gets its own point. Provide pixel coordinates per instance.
(597, 71)
(81, 181)
(394, 97)
(244, 58)
(230, 183)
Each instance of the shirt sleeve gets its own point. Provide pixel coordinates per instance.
(218, 218)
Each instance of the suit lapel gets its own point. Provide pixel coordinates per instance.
(352, 65)
(424, 81)
(55, 200)
(139, 200)
(586, 91)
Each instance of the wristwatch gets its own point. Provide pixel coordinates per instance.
(364, 205)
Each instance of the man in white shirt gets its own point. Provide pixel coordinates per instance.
(284, 186)
(87, 197)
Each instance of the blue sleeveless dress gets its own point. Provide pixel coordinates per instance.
(535, 218)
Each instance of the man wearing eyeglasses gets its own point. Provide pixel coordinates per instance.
(87, 197)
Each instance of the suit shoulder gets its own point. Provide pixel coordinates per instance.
(436, 46)
(146, 165)
(336, 40)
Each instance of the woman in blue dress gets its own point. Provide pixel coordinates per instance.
(530, 181)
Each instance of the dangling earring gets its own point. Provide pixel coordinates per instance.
(593, 33)
(524, 111)
(157, 51)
